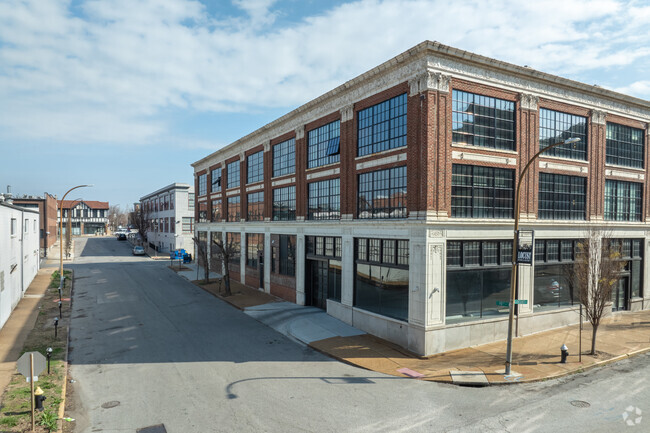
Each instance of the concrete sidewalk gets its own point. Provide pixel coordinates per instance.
(22, 320)
(535, 357)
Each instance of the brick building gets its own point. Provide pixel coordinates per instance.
(389, 201)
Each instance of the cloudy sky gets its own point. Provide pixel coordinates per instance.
(126, 94)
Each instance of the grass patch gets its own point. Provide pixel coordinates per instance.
(15, 415)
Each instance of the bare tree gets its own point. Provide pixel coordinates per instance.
(596, 271)
(68, 235)
(139, 218)
(116, 217)
(226, 253)
(202, 253)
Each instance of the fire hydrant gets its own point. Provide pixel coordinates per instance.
(39, 398)
(565, 353)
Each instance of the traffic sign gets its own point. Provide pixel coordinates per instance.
(503, 303)
(40, 363)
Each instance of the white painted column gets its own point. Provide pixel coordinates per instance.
(646, 274)
(525, 277)
(347, 275)
(242, 259)
(300, 269)
(267, 260)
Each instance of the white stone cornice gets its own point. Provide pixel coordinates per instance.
(598, 117)
(429, 80)
(480, 157)
(528, 101)
(300, 132)
(565, 167)
(347, 113)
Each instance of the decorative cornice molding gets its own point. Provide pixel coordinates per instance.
(483, 158)
(528, 101)
(347, 113)
(429, 80)
(267, 145)
(242, 156)
(565, 167)
(598, 117)
(300, 132)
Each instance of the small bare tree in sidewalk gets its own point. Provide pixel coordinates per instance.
(68, 236)
(226, 253)
(596, 272)
(202, 256)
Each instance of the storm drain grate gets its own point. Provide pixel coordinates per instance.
(160, 428)
(580, 403)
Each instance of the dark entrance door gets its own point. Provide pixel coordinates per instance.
(620, 294)
(260, 268)
(316, 284)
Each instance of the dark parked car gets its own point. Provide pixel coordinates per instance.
(121, 237)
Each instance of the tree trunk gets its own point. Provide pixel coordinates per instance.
(594, 330)
(226, 278)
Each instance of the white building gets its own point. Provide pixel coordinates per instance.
(170, 213)
(19, 257)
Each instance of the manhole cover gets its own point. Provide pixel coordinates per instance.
(110, 404)
(580, 403)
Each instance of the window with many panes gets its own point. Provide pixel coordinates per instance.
(234, 214)
(481, 192)
(555, 126)
(217, 211)
(255, 167)
(203, 186)
(233, 174)
(624, 145)
(203, 212)
(623, 200)
(323, 144)
(562, 197)
(233, 246)
(324, 200)
(483, 121)
(215, 178)
(382, 126)
(254, 243)
(284, 203)
(323, 254)
(382, 194)
(478, 275)
(554, 286)
(188, 223)
(284, 158)
(255, 206)
(283, 255)
(381, 276)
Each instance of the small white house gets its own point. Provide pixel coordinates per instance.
(19, 254)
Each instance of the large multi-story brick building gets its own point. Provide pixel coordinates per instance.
(389, 201)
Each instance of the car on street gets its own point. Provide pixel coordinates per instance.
(121, 237)
(138, 251)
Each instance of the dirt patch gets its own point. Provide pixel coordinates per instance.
(241, 296)
(16, 400)
(175, 268)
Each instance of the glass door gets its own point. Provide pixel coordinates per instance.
(620, 294)
(316, 290)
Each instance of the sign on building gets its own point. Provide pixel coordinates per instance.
(525, 247)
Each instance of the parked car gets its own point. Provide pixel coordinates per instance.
(138, 251)
(121, 237)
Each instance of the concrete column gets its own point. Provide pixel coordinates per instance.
(525, 277)
(418, 260)
(242, 259)
(300, 269)
(434, 310)
(347, 277)
(267, 260)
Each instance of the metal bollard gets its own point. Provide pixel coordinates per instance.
(565, 353)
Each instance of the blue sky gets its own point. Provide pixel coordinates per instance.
(126, 94)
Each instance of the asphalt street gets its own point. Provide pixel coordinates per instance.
(149, 348)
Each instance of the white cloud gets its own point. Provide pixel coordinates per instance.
(106, 75)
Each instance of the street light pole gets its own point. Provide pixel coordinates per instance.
(61, 229)
(513, 276)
